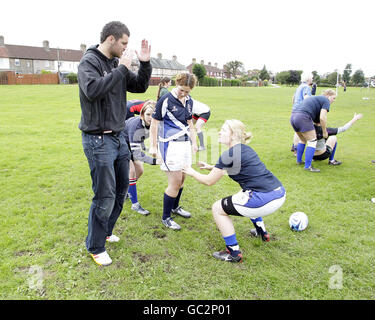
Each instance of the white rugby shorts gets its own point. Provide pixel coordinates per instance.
(175, 154)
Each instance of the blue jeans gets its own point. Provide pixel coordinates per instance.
(108, 157)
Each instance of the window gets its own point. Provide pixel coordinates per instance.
(17, 62)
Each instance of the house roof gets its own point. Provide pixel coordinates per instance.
(39, 53)
(208, 68)
(158, 63)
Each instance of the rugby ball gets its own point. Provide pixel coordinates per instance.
(298, 221)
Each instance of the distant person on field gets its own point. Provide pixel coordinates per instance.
(311, 110)
(262, 193)
(164, 84)
(104, 76)
(313, 89)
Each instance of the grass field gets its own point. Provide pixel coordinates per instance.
(46, 193)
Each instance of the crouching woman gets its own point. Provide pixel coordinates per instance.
(262, 193)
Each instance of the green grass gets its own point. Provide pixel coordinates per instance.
(46, 194)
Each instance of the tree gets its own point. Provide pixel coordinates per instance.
(200, 71)
(347, 72)
(294, 77)
(264, 75)
(358, 77)
(332, 78)
(316, 77)
(282, 77)
(233, 68)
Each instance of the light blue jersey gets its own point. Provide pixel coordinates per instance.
(303, 90)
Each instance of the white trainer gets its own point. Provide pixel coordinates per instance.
(169, 223)
(112, 238)
(102, 259)
(137, 207)
(181, 212)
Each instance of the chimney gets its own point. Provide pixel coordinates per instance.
(159, 55)
(209, 64)
(174, 58)
(83, 47)
(215, 64)
(194, 61)
(1, 41)
(202, 62)
(46, 45)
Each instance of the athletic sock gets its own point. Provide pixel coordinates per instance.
(168, 204)
(133, 190)
(201, 140)
(259, 226)
(177, 201)
(332, 156)
(232, 245)
(309, 154)
(300, 150)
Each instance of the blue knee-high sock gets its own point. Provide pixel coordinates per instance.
(177, 201)
(259, 226)
(133, 190)
(332, 156)
(232, 244)
(168, 204)
(309, 154)
(300, 150)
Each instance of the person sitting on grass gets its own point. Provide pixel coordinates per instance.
(262, 193)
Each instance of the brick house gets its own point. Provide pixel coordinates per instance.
(32, 60)
(212, 71)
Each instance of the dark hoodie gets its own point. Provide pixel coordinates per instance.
(102, 90)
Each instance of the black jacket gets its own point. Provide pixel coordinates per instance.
(102, 90)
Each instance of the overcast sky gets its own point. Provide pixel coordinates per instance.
(321, 35)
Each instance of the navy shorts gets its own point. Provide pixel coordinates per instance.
(301, 122)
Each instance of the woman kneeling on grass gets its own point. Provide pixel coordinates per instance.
(262, 193)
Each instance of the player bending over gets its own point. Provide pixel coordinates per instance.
(262, 193)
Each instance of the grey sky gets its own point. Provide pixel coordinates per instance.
(292, 34)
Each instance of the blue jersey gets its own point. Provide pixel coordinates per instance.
(312, 106)
(244, 166)
(174, 116)
(136, 132)
(303, 90)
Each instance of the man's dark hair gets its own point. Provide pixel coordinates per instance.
(114, 28)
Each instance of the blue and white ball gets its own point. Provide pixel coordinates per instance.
(298, 221)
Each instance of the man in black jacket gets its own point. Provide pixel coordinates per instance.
(104, 77)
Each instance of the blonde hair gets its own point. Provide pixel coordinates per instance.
(186, 80)
(238, 131)
(306, 77)
(329, 92)
(149, 104)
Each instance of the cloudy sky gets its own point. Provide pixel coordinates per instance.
(321, 35)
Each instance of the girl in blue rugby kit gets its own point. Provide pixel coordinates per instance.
(262, 193)
(136, 132)
(173, 128)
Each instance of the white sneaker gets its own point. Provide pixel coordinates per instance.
(102, 259)
(112, 238)
(169, 223)
(181, 212)
(137, 207)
